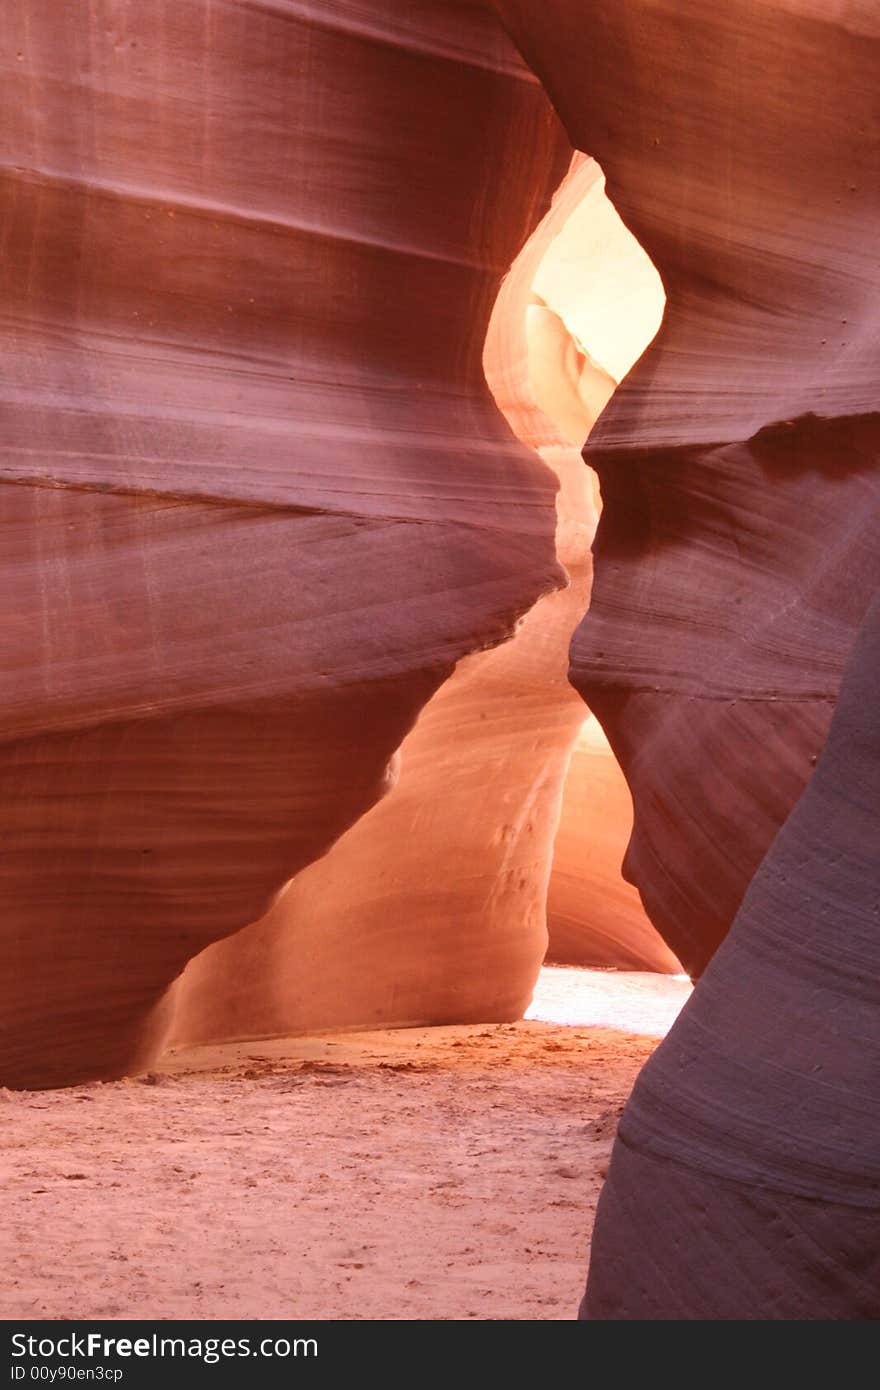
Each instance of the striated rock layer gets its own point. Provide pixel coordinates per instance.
(736, 557)
(748, 1157)
(433, 907)
(255, 497)
(737, 549)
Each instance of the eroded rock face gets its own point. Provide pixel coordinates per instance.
(433, 907)
(736, 557)
(729, 585)
(737, 549)
(748, 1157)
(257, 500)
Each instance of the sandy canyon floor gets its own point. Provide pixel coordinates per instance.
(442, 1173)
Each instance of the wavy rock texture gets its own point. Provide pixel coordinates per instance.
(256, 498)
(751, 1144)
(737, 549)
(736, 557)
(433, 907)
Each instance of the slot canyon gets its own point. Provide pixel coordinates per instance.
(439, 499)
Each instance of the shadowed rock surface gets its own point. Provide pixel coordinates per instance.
(737, 550)
(736, 557)
(257, 503)
(256, 499)
(748, 1157)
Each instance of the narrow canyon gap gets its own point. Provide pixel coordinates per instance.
(268, 545)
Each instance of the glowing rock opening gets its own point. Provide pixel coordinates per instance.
(579, 307)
